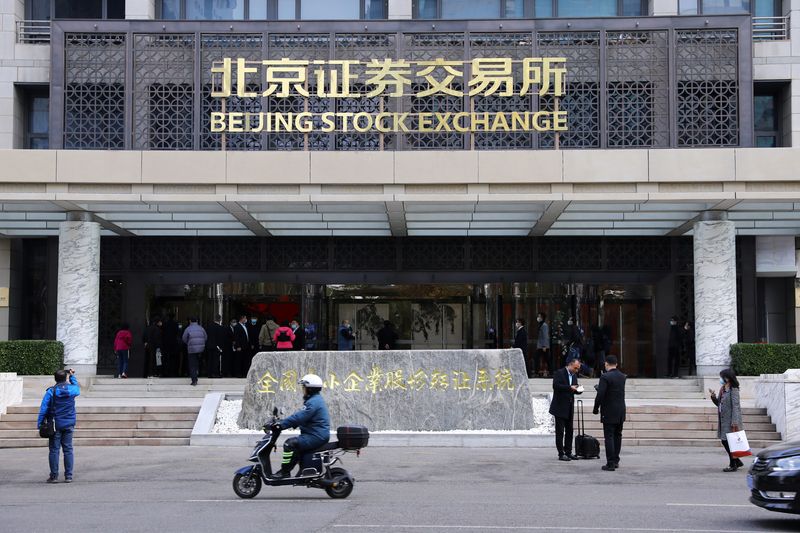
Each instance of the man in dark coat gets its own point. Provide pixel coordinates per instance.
(218, 348)
(610, 402)
(241, 350)
(674, 348)
(299, 342)
(253, 329)
(562, 407)
(387, 337)
(171, 346)
(521, 342)
(152, 349)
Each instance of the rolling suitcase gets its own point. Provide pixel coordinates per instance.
(586, 446)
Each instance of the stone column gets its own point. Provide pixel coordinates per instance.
(714, 291)
(79, 292)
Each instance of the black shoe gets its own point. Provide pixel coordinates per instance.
(731, 469)
(281, 474)
(194, 384)
(52, 479)
(573, 457)
(608, 467)
(739, 463)
(616, 465)
(67, 480)
(564, 458)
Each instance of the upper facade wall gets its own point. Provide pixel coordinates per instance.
(649, 82)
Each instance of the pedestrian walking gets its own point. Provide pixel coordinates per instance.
(195, 337)
(387, 337)
(123, 341)
(284, 337)
(171, 346)
(299, 342)
(729, 413)
(265, 335)
(152, 349)
(610, 403)
(562, 407)
(345, 338)
(521, 342)
(59, 403)
(674, 348)
(218, 347)
(241, 348)
(542, 360)
(688, 347)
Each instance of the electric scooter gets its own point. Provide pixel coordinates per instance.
(316, 467)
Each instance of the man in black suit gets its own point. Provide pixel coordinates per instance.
(565, 387)
(241, 348)
(218, 347)
(521, 342)
(610, 400)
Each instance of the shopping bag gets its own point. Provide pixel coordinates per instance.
(158, 356)
(738, 444)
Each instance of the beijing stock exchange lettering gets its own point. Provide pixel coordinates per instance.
(235, 81)
(378, 380)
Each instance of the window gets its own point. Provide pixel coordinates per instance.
(36, 102)
(88, 9)
(713, 7)
(271, 9)
(494, 9)
(765, 120)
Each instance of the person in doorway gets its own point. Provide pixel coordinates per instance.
(299, 342)
(218, 347)
(521, 342)
(610, 403)
(314, 423)
(253, 331)
(688, 347)
(229, 365)
(123, 341)
(562, 407)
(345, 338)
(387, 337)
(729, 414)
(59, 403)
(241, 342)
(265, 335)
(542, 360)
(573, 341)
(674, 348)
(152, 349)
(195, 337)
(284, 338)
(171, 346)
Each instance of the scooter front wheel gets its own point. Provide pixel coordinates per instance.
(343, 488)
(247, 485)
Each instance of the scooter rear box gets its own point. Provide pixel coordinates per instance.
(352, 437)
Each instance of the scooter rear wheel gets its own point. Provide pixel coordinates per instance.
(343, 488)
(247, 485)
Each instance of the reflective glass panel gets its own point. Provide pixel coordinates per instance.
(258, 10)
(286, 10)
(215, 9)
(375, 9)
(39, 9)
(765, 118)
(470, 9)
(712, 7)
(85, 9)
(587, 8)
(170, 9)
(426, 9)
(327, 10)
(632, 8)
(115, 9)
(687, 7)
(766, 141)
(515, 9)
(767, 8)
(543, 8)
(39, 143)
(39, 111)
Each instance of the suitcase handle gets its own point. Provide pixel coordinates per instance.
(581, 421)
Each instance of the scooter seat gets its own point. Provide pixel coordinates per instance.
(329, 446)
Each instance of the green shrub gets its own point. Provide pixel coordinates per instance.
(757, 359)
(31, 358)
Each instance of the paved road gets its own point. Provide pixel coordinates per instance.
(409, 490)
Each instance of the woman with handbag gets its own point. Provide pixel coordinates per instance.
(729, 411)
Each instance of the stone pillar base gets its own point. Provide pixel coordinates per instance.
(83, 371)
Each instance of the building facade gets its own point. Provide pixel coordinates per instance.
(449, 166)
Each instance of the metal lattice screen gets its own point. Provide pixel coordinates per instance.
(619, 90)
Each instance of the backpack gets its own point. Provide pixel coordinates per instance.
(283, 336)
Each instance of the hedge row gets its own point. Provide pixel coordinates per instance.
(31, 358)
(757, 359)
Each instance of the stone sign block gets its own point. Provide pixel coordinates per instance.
(406, 390)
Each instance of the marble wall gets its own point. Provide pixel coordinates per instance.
(779, 394)
(79, 294)
(10, 390)
(714, 294)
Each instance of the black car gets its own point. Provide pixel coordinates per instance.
(774, 478)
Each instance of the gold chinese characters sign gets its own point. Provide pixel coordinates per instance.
(382, 80)
(434, 390)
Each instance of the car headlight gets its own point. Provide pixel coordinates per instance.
(787, 463)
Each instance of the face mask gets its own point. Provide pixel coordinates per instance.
(671, 323)
(538, 319)
(294, 326)
(254, 322)
(721, 381)
(570, 322)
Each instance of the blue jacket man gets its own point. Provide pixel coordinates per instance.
(62, 395)
(313, 421)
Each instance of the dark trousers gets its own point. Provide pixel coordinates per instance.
(542, 359)
(529, 364)
(227, 364)
(734, 461)
(122, 362)
(612, 433)
(564, 435)
(214, 366)
(194, 365)
(151, 369)
(673, 361)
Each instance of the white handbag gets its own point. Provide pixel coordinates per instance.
(737, 442)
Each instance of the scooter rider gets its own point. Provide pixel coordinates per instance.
(313, 421)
